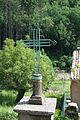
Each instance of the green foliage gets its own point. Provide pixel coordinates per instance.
(59, 20)
(8, 116)
(57, 116)
(64, 62)
(7, 98)
(17, 66)
(63, 118)
(47, 71)
(6, 113)
(58, 87)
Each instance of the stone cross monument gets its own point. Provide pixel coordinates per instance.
(36, 43)
(36, 107)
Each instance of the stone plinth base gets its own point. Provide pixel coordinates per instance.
(75, 92)
(37, 100)
(28, 111)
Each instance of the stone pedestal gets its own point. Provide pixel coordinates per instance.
(36, 97)
(27, 111)
(75, 92)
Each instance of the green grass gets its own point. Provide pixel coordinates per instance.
(5, 108)
(7, 102)
(28, 93)
(59, 87)
(7, 99)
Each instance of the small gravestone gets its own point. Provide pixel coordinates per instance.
(37, 107)
(75, 78)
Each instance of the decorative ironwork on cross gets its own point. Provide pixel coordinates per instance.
(37, 43)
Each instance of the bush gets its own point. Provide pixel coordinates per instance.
(65, 62)
(17, 67)
(47, 71)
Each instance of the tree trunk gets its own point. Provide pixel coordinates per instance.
(20, 95)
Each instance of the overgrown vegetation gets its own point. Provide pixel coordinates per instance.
(7, 101)
(7, 114)
(58, 20)
(17, 67)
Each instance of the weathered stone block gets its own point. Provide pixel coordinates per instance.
(28, 111)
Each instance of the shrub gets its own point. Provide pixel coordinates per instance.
(65, 62)
(17, 67)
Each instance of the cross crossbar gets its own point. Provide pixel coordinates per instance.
(37, 43)
(43, 43)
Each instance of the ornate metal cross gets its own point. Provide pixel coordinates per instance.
(36, 43)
